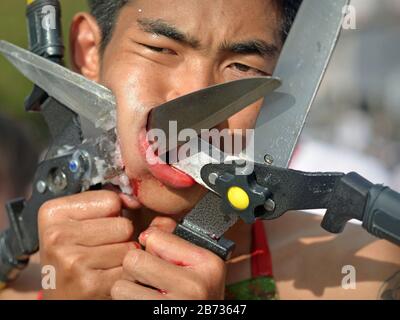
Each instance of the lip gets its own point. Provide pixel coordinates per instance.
(163, 172)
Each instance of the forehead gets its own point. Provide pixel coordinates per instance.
(224, 19)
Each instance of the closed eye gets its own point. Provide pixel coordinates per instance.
(159, 49)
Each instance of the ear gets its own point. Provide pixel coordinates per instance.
(85, 40)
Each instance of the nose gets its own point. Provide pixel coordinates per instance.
(191, 79)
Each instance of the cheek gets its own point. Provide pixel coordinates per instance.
(129, 74)
(136, 93)
(246, 119)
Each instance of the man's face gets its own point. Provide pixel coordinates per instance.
(163, 49)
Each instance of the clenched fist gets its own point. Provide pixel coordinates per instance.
(170, 268)
(85, 239)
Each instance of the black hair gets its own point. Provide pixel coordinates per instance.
(289, 9)
(106, 13)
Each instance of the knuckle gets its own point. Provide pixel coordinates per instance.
(165, 223)
(132, 260)
(215, 264)
(154, 236)
(72, 262)
(124, 226)
(209, 260)
(52, 236)
(199, 254)
(111, 200)
(46, 211)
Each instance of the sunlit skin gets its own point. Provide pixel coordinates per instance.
(207, 42)
(143, 77)
(94, 249)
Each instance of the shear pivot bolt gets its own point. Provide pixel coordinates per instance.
(212, 178)
(41, 186)
(73, 166)
(268, 159)
(269, 205)
(57, 181)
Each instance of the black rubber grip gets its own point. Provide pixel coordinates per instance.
(382, 214)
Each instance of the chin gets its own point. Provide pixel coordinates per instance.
(157, 197)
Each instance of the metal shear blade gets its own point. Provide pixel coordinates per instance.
(203, 109)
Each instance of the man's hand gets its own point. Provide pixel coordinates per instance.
(170, 268)
(84, 238)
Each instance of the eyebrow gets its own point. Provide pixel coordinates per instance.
(258, 47)
(163, 28)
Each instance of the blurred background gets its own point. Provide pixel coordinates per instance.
(354, 124)
(13, 86)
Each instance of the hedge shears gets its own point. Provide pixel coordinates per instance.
(81, 118)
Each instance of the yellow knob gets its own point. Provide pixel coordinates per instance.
(238, 198)
(28, 2)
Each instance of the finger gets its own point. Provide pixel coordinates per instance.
(164, 223)
(82, 206)
(92, 233)
(150, 270)
(174, 249)
(129, 202)
(201, 272)
(127, 290)
(105, 280)
(109, 256)
(88, 233)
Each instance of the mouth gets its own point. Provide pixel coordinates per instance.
(163, 172)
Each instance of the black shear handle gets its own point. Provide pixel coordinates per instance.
(53, 179)
(382, 214)
(377, 206)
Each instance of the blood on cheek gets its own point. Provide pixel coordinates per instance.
(136, 185)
